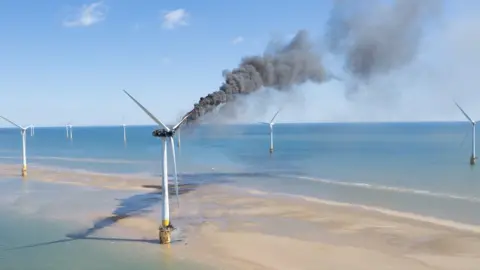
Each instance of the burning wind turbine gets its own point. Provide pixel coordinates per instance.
(166, 134)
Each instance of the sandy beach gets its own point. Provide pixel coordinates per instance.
(228, 227)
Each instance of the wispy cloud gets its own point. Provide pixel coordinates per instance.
(237, 40)
(87, 15)
(175, 18)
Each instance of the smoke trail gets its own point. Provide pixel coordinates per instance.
(284, 67)
(374, 37)
(377, 37)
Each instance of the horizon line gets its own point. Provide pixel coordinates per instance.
(252, 123)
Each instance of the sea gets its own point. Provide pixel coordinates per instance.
(420, 168)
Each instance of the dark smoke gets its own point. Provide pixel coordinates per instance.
(376, 37)
(289, 65)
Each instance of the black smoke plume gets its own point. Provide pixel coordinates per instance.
(372, 37)
(289, 65)
(376, 37)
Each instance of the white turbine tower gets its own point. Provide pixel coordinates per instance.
(473, 158)
(23, 132)
(271, 123)
(67, 131)
(32, 130)
(70, 127)
(166, 134)
(124, 132)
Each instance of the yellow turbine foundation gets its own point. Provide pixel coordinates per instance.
(165, 233)
(24, 171)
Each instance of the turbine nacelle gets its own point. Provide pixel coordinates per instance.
(162, 133)
(272, 122)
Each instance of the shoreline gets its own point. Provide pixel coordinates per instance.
(241, 228)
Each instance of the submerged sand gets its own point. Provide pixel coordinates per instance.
(233, 228)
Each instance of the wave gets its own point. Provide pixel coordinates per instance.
(387, 188)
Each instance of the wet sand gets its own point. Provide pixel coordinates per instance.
(233, 228)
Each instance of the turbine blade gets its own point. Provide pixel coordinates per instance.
(11, 122)
(464, 113)
(172, 144)
(182, 121)
(147, 112)
(275, 115)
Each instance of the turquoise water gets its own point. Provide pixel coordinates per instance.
(37, 226)
(415, 167)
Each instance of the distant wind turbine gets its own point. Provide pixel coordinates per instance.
(124, 132)
(70, 128)
(271, 123)
(32, 130)
(166, 134)
(24, 144)
(473, 158)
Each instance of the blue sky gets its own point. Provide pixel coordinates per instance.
(68, 60)
(56, 67)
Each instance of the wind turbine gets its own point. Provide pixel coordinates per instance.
(166, 134)
(271, 123)
(32, 130)
(67, 131)
(70, 131)
(473, 158)
(24, 144)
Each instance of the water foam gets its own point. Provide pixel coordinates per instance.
(384, 211)
(387, 188)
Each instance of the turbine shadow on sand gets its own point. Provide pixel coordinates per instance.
(140, 204)
(136, 205)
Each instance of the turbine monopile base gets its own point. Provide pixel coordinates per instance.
(165, 234)
(473, 160)
(24, 171)
(271, 150)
